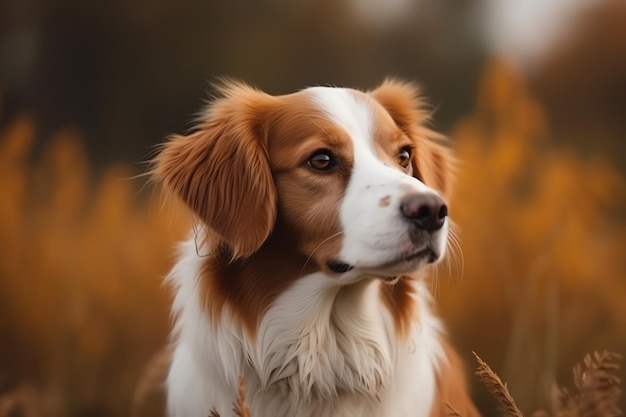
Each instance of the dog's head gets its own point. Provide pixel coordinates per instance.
(351, 180)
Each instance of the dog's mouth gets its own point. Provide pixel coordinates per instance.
(339, 267)
(427, 254)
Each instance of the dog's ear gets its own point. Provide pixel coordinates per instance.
(222, 171)
(433, 163)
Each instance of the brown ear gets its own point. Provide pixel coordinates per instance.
(222, 170)
(433, 163)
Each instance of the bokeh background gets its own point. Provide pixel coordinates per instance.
(531, 93)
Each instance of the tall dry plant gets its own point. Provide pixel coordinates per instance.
(81, 264)
(241, 407)
(598, 389)
(543, 235)
(498, 389)
(597, 384)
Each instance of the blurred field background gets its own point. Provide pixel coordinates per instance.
(532, 95)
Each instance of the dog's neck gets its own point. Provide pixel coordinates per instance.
(303, 332)
(319, 340)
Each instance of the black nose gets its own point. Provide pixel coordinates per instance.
(427, 211)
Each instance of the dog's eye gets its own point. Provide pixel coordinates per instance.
(321, 160)
(404, 157)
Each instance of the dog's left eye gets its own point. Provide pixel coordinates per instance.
(321, 160)
(404, 157)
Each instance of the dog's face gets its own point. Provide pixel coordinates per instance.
(353, 181)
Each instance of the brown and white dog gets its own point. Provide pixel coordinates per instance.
(318, 213)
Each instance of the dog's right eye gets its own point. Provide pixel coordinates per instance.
(321, 160)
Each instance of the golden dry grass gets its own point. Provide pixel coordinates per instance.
(498, 390)
(82, 307)
(81, 261)
(596, 381)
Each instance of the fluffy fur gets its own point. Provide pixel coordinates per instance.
(318, 212)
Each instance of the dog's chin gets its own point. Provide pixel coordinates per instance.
(390, 271)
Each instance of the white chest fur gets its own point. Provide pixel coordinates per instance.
(321, 350)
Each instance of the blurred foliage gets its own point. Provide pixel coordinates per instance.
(543, 235)
(128, 73)
(81, 302)
(82, 307)
(582, 83)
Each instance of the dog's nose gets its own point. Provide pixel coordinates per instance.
(427, 211)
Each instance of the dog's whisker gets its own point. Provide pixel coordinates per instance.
(456, 252)
(435, 281)
(318, 247)
(451, 258)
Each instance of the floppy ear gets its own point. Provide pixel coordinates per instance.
(433, 163)
(222, 170)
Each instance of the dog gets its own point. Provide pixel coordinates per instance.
(318, 215)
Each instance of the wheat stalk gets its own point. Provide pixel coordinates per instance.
(240, 406)
(498, 389)
(598, 388)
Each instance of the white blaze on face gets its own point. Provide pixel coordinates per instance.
(376, 234)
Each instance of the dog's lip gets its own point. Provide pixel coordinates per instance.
(423, 253)
(339, 267)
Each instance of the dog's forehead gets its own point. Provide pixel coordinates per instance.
(356, 112)
(347, 108)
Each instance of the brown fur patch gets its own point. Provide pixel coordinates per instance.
(400, 301)
(384, 202)
(249, 286)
